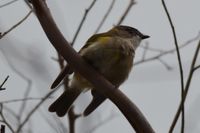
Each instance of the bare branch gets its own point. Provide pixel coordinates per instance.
(197, 67)
(132, 2)
(105, 16)
(82, 21)
(146, 47)
(167, 66)
(23, 99)
(190, 40)
(106, 120)
(24, 102)
(2, 130)
(163, 53)
(151, 49)
(179, 63)
(130, 111)
(72, 116)
(10, 112)
(8, 3)
(28, 3)
(3, 83)
(56, 125)
(4, 119)
(192, 69)
(33, 110)
(16, 25)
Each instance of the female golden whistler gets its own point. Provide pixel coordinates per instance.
(111, 54)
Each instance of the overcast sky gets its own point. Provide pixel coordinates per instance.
(154, 89)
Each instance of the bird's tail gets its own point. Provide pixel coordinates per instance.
(64, 102)
(96, 101)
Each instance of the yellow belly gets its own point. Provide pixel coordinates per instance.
(114, 65)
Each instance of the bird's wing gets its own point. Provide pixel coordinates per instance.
(97, 100)
(92, 40)
(66, 70)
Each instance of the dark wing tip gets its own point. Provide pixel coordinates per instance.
(54, 85)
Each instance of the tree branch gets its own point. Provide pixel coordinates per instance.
(4, 119)
(163, 53)
(105, 16)
(132, 2)
(2, 130)
(179, 64)
(28, 4)
(3, 83)
(22, 99)
(192, 69)
(16, 25)
(24, 102)
(72, 119)
(82, 21)
(8, 3)
(111, 116)
(167, 66)
(33, 111)
(130, 111)
(197, 67)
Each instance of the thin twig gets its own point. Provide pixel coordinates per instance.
(16, 25)
(132, 2)
(4, 119)
(20, 74)
(146, 47)
(23, 99)
(3, 129)
(10, 112)
(163, 53)
(103, 122)
(173, 50)
(33, 110)
(24, 102)
(56, 125)
(3, 83)
(155, 57)
(152, 49)
(179, 63)
(167, 66)
(28, 3)
(8, 3)
(105, 16)
(186, 88)
(197, 67)
(72, 116)
(82, 21)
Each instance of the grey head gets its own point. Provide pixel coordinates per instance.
(127, 31)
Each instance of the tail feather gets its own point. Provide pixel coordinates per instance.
(64, 102)
(61, 76)
(96, 101)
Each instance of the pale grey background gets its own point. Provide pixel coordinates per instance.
(155, 90)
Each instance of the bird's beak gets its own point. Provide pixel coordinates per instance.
(145, 36)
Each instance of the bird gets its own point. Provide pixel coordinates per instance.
(111, 54)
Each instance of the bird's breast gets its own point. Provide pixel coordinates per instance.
(113, 60)
(116, 65)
